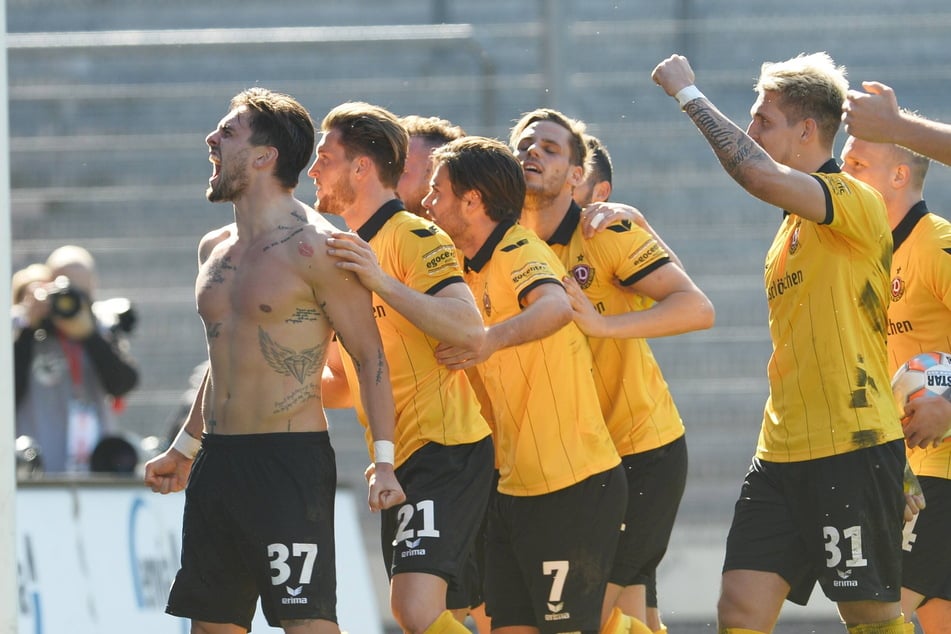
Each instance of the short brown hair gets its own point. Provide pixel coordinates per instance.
(600, 159)
(281, 122)
(372, 131)
(578, 151)
(433, 130)
(488, 167)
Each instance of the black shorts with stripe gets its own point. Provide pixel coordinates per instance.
(548, 556)
(835, 520)
(655, 485)
(258, 521)
(926, 561)
(434, 530)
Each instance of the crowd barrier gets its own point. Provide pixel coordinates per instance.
(98, 558)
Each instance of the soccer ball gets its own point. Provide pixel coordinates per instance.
(925, 374)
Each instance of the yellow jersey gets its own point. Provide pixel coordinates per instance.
(636, 402)
(547, 424)
(827, 293)
(433, 404)
(919, 314)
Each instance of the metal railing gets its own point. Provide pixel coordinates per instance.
(462, 34)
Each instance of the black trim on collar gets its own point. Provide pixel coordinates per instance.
(901, 232)
(829, 167)
(485, 252)
(372, 226)
(569, 223)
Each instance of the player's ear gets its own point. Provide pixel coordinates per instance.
(809, 129)
(361, 165)
(575, 175)
(472, 198)
(901, 176)
(601, 192)
(267, 156)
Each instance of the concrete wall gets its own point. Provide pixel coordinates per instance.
(108, 144)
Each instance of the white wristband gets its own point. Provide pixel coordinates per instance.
(686, 95)
(186, 444)
(383, 451)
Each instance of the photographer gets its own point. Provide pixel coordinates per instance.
(71, 367)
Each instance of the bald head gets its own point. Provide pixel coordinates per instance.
(77, 264)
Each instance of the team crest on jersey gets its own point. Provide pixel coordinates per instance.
(898, 286)
(486, 302)
(794, 241)
(583, 274)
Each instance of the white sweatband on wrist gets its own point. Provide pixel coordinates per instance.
(186, 444)
(383, 451)
(687, 94)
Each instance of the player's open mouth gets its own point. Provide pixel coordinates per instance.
(215, 168)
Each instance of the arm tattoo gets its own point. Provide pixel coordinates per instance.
(356, 361)
(380, 364)
(323, 309)
(216, 271)
(213, 330)
(731, 145)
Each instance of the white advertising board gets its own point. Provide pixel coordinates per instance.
(99, 559)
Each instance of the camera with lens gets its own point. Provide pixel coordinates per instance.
(65, 301)
(116, 314)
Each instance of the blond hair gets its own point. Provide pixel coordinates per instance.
(809, 87)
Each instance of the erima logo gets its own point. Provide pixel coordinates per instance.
(413, 553)
(843, 581)
(555, 613)
(413, 549)
(294, 599)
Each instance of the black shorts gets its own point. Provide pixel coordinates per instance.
(926, 561)
(651, 592)
(548, 556)
(655, 485)
(470, 591)
(434, 530)
(836, 520)
(258, 521)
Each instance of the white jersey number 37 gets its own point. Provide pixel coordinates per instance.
(278, 554)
